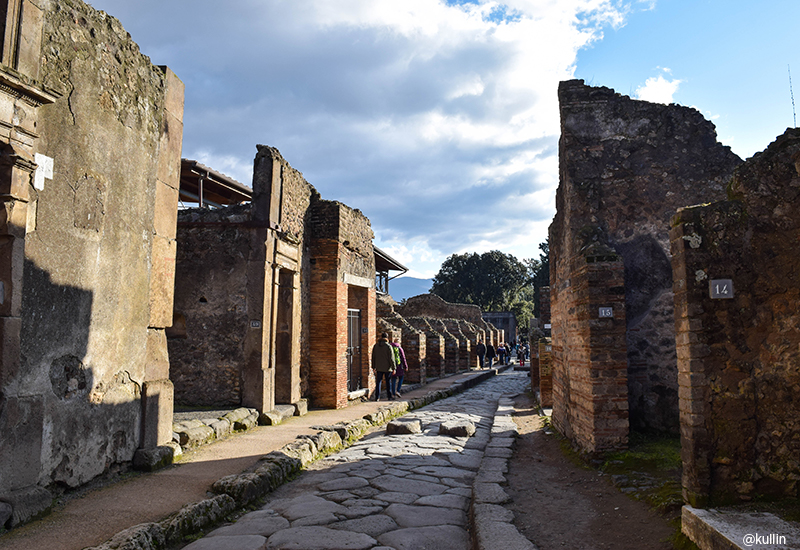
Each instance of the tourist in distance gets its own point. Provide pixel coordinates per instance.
(490, 355)
(396, 381)
(501, 354)
(480, 349)
(383, 364)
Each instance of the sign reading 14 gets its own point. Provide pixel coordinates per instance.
(720, 289)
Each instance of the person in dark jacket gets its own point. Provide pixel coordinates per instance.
(490, 355)
(480, 349)
(383, 364)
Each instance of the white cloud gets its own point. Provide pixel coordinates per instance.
(440, 122)
(658, 89)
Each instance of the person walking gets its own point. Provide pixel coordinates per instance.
(501, 354)
(383, 364)
(480, 349)
(490, 355)
(396, 381)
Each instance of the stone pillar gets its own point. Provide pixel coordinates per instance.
(415, 348)
(157, 389)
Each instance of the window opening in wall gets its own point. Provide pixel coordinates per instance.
(353, 349)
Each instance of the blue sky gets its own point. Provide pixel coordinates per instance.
(439, 119)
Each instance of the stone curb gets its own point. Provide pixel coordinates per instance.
(492, 524)
(235, 492)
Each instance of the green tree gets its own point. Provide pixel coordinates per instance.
(540, 272)
(492, 280)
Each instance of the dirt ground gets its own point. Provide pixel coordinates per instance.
(559, 504)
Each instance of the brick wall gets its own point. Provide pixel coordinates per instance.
(342, 277)
(737, 304)
(544, 372)
(626, 166)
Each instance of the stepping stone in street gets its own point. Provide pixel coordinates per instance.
(457, 428)
(404, 426)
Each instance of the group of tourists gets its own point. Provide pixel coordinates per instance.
(389, 364)
(389, 361)
(487, 354)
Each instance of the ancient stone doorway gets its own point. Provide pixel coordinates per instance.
(354, 379)
(284, 337)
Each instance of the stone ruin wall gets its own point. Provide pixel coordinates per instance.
(92, 355)
(737, 304)
(223, 270)
(431, 305)
(429, 323)
(207, 347)
(626, 166)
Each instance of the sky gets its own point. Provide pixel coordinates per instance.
(438, 119)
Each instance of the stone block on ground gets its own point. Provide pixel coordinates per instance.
(194, 437)
(499, 534)
(29, 503)
(301, 407)
(404, 426)
(237, 415)
(221, 427)
(324, 441)
(249, 421)
(457, 428)
(724, 529)
(286, 411)
(149, 460)
(490, 493)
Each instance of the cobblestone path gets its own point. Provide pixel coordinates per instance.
(400, 491)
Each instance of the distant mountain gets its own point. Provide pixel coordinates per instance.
(406, 287)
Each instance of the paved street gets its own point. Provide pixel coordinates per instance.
(399, 490)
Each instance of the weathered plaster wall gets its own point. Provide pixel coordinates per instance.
(738, 353)
(626, 166)
(99, 257)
